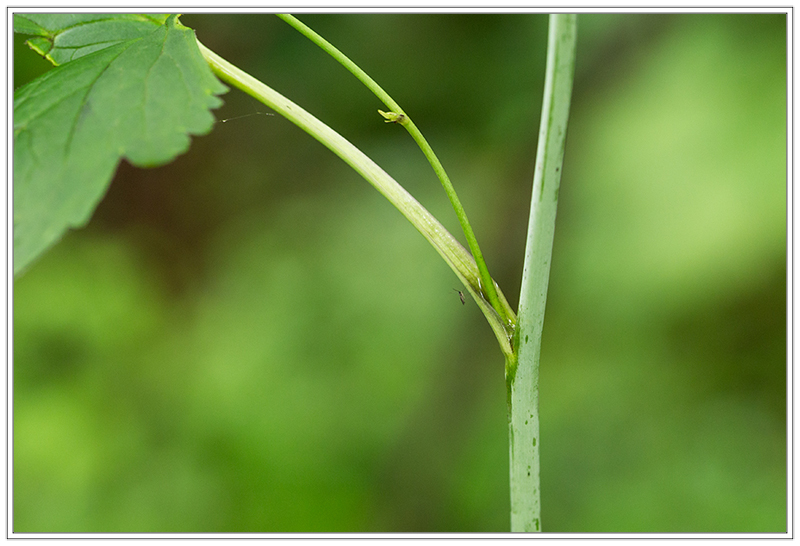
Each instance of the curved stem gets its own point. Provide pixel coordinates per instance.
(329, 48)
(456, 256)
(398, 115)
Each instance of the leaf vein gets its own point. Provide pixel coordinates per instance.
(85, 102)
(147, 82)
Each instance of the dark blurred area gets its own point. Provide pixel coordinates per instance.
(252, 339)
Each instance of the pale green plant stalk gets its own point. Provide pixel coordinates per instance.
(399, 116)
(522, 369)
(456, 256)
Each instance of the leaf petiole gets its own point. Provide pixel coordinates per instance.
(454, 254)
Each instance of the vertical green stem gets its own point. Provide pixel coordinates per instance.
(522, 375)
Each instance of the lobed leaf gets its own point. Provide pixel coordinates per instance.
(130, 86)
(64, 37)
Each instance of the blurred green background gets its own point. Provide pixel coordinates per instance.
(252, 339)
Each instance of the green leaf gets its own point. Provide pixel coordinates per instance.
(65, 37)
(136, 87)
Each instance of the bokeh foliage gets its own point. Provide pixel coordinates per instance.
(252, 339)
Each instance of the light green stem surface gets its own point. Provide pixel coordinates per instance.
(522, 375)
(456, 256)
(398, 115)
